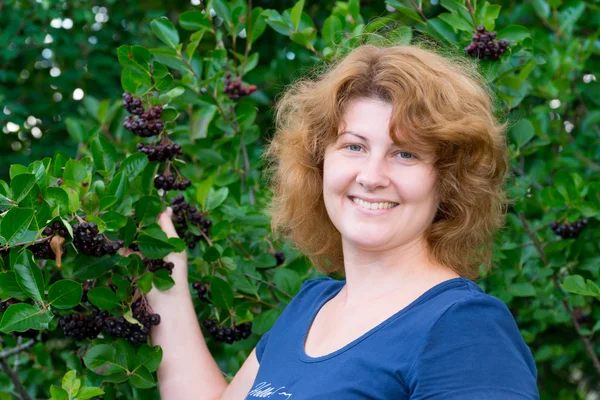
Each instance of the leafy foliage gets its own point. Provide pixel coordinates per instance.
(546, 88)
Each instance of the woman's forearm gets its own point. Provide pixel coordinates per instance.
(187, 370)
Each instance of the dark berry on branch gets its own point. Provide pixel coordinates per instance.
(86, 238)
(228, 335)
(202, 290)
(235, 90)
(569, 230)
(484, 45)
(279, 257)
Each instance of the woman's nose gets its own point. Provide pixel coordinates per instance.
(372, 174)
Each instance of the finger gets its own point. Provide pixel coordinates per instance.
(165, 222)
(126, 252)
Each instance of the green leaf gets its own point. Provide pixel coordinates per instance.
(578, 285)
(125, 354)
(222, 294)
(304, 37)
(119, 186)
(216, 198)
(165, 31)
(58, 393)
(101, 359)
(142, 378)
(76, 130)
(133, 165)
(145, 282)
(114, 221)
(265, 321)
(103, 298)
(522, 289)
(64, 294)
(29, 277)
(71, 383)
(200, 121)
(21, 317)
(513, 33)
(194, 20)
(88, 392)
(274, 20)
(163, 280)
(15, 223)
(258, 24)
(57, 198)
(104, 153)
(150, 357)
(331, 30)
(147, 209)
(222, 9)
(153, 247)
(9, 288)
(91, 203)
(522, 132)
(89, 267)
(193, 43)
(75, 171)
(21, 185)
(407, 11)
(297, 13)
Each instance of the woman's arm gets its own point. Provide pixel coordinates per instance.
(188, 370)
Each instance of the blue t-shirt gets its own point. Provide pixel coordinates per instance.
(454, 342)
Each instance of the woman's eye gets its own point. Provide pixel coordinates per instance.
(406, 153)
(353, 147)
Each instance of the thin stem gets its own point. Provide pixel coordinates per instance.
(258, 300)
(239, 246)
(471, 12)
(18, 349)
(12, 375)
(271, 285)
(586, 342)
(419, 10)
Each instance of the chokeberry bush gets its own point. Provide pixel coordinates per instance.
(185, 129)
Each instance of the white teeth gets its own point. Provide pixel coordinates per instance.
(373, 206)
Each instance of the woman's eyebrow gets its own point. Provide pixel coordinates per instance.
(398, 144)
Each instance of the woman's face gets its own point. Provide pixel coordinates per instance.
(377, 194)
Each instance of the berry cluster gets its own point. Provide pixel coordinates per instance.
(169, 182)
(154, 265)
(161, 152)
(88, 241)
(234, 89)
(279, 258)
(184, 212)
(228, 335)
(81, 327)
(484, 45)
(202, 290)
(43, 251)
(569, 231)
(142, 123)
(56, 228)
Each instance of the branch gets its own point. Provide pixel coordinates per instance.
(471, 12)
(269, 284)
(585, 340)
(18, 349)
(419, 10)
(15, 380)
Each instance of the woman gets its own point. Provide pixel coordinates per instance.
(388, 168)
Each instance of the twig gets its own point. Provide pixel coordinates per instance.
(239, 246)
(15, 379)
(585, 340)
(268, 284)
(18, 349)
(471, 12)
(419, 10)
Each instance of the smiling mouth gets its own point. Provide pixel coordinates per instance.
(373, 206)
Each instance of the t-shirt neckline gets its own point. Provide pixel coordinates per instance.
(434, 290)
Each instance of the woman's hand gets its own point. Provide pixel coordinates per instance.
(180, 271)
